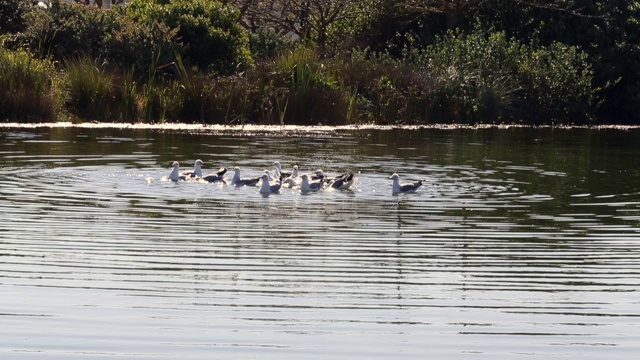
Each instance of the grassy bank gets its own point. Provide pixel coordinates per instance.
(295, 87)
(142, 65)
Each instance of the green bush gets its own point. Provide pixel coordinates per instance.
(65, 29)
(12, 15)
(266, 43)
(72, 29)
(384, 90)
(30, 89)
(133, 44)
(489, 78)
(212, 38)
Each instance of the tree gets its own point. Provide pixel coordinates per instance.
(455, 10)
(308, 20)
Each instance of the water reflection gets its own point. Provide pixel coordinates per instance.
(511, 248)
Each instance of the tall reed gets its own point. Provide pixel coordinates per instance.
(300, 65)
(91, 88)
(30, 89)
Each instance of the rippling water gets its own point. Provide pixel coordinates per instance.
(522, 244)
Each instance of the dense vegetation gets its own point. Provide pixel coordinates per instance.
(322, 61)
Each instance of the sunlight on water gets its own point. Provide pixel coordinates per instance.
(515, 247)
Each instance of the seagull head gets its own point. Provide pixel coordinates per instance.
(394, 176)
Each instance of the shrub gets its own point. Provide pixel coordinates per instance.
(120, 42)
(64, 29)
(212, 38)
(134, 45)
(266, 43)
(487, 77)
(559, 83)
(12, 15)
(383, 90)
(30, 89)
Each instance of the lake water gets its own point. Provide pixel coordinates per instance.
(523, 244)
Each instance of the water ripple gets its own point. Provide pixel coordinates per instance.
(482, 260)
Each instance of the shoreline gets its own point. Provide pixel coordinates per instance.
(300, 128)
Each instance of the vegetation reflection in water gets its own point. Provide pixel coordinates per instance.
(521, 242)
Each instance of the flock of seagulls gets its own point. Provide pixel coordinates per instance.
(269, 183)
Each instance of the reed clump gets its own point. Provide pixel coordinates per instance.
(30, 89)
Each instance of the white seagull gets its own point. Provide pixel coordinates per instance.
(197, 172)
(278, 171)
(175, 173)
(406, 187)
(215, 177)
(293, 179)
(307, 186)
(271, 178)
(238, 181)
(318, 175)
(267, 187)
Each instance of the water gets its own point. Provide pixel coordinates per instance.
(522, 244)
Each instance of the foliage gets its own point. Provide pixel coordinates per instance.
(385, 91)
(65, 29)
(96, 93)
(311, 21)
(606, 30)
(208, 29)
(488, 77)
(327, 61)
(30, 89)
(12, 15)
(267, 43)
(133, 44)
(90, 88)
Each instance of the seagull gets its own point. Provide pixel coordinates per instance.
(278, 171)
(215, 177)
(343, 181)
(293, 179)
(197, 171)
(238, 181)
(307, 186)
(318, 175)
(175, 173)
(267, 187)
(271, 178)
(406, 187)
